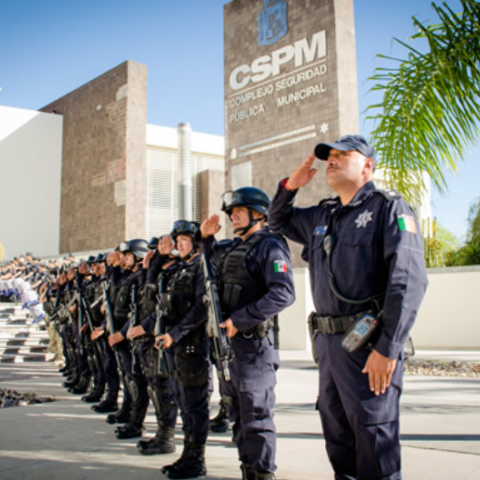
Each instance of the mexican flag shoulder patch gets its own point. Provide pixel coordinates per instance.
(279, 266)
(406, 223)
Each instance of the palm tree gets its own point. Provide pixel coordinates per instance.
(431, 102)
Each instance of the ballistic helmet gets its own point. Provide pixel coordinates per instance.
(137, 247)
(250, 197)
(153, 243)
(184, 227)
(100, 258)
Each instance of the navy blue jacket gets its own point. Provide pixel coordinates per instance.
(378, 250)
(195, 317)
(261, 264)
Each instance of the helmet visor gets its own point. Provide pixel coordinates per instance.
(123, 247)
(184, 227)
(232, 199)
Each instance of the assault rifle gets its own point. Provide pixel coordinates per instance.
(110, 320)
(133, 318)
(80, 322)
(54, 317)
(162, 365)
(93, 348)
(221, 343)
(62, 311)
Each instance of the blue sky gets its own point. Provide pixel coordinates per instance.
(50, 47)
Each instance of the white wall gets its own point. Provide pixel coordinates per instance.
(450, 313)
(449, 317)
(293, 320)
(30, 180)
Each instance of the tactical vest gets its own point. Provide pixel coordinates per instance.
(96, 293)
(180, 293)
(238, 287)
(122, 305)
(89, 292)
(148, 300)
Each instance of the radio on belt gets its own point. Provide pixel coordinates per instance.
(359, 333)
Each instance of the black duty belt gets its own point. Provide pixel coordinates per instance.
(260, 331)
(331, 325)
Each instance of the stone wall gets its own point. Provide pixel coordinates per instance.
(101, 145)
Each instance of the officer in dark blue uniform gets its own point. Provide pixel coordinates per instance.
(94, 296)
(75, 336)
(185, 342)
(159, 386)
(133, 251)
(89, 311)
(255, 284)
(365, 255)
(111, 272)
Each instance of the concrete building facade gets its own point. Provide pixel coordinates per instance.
(103, 199)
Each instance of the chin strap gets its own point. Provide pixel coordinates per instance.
(253, 221)
(189, 256)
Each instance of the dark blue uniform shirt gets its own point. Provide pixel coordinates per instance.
(378, 250)
(266, 254)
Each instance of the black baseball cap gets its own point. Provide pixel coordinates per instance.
(345, 144)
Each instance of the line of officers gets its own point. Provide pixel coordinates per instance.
(136, 318)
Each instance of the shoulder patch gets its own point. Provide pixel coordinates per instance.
(388, 194)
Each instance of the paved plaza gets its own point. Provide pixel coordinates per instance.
(66, 440)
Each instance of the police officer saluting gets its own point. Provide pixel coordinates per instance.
(186, 344)
(368, 277)
(134, 252)
(255, 284)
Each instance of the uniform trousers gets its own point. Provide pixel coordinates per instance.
(361, 429)
(250, 399)
(191, 372)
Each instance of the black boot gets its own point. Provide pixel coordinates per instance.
(162, 442)
(193, 464)
(73, 380)
(134, 427)
(187, 443)
(220, 423)
(109, 404)
(96, 394)
(123, 415)
(81, 386)
(263, 475)
(248, 473)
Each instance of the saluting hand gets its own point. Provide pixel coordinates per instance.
(380, 370)
(166, 245)
(114, 259)
(302, 175)
(83, 268)
(210, 226)
(146, 260)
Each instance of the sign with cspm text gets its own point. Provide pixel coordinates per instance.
(290, 83)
